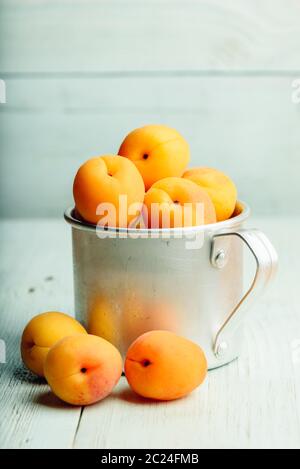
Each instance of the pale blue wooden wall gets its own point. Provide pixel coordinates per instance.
(81, 74)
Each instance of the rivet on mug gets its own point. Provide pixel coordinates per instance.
(220, 259)
(222, 349)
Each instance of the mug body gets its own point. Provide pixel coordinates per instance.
(126, 284)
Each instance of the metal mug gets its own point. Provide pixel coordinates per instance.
(127, 281)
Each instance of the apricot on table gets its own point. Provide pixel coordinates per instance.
(83, 369)
(172, 194)
(102, 180)
(157, 151)
(219, 187)
(164, 366)
(41, 333)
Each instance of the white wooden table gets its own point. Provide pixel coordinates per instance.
(254, 402)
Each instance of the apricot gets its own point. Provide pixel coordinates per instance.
(157, 151)
(172, 194)
(219, 187)
(238, 209)
(83, 369)
(105, 180)
(41, 333)
(164, 366)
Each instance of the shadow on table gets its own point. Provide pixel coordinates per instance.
(48, 399)
(23, 375)
(129, 396)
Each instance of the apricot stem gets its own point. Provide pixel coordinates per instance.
(146, 362)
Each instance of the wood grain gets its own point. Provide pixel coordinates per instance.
(246, 127)
(252, 403)
(81, 74)
(154, 35)
(34, 278)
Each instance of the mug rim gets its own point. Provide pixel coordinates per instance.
(75, 222)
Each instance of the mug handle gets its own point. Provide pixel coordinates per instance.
(266, 266)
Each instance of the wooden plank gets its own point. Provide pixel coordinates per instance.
(35, 276)
(247, 127)
(51, 37)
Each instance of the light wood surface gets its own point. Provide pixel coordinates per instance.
(81, 74)
(128, 35)
(246, 127)
(251, 403)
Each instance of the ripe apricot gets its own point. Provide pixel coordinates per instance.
(83, 369)
(219, 187)
(41, 333)
(164, 366)
(173, 194)
(157, 151)
(238, 209)
(102, 180)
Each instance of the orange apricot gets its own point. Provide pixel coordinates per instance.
(41, 333)
(176, 202)
(157, 151)
(219, 187)
(164, 366)
(83, 369)
(100, 186)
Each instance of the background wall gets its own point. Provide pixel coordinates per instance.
(81, 74)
